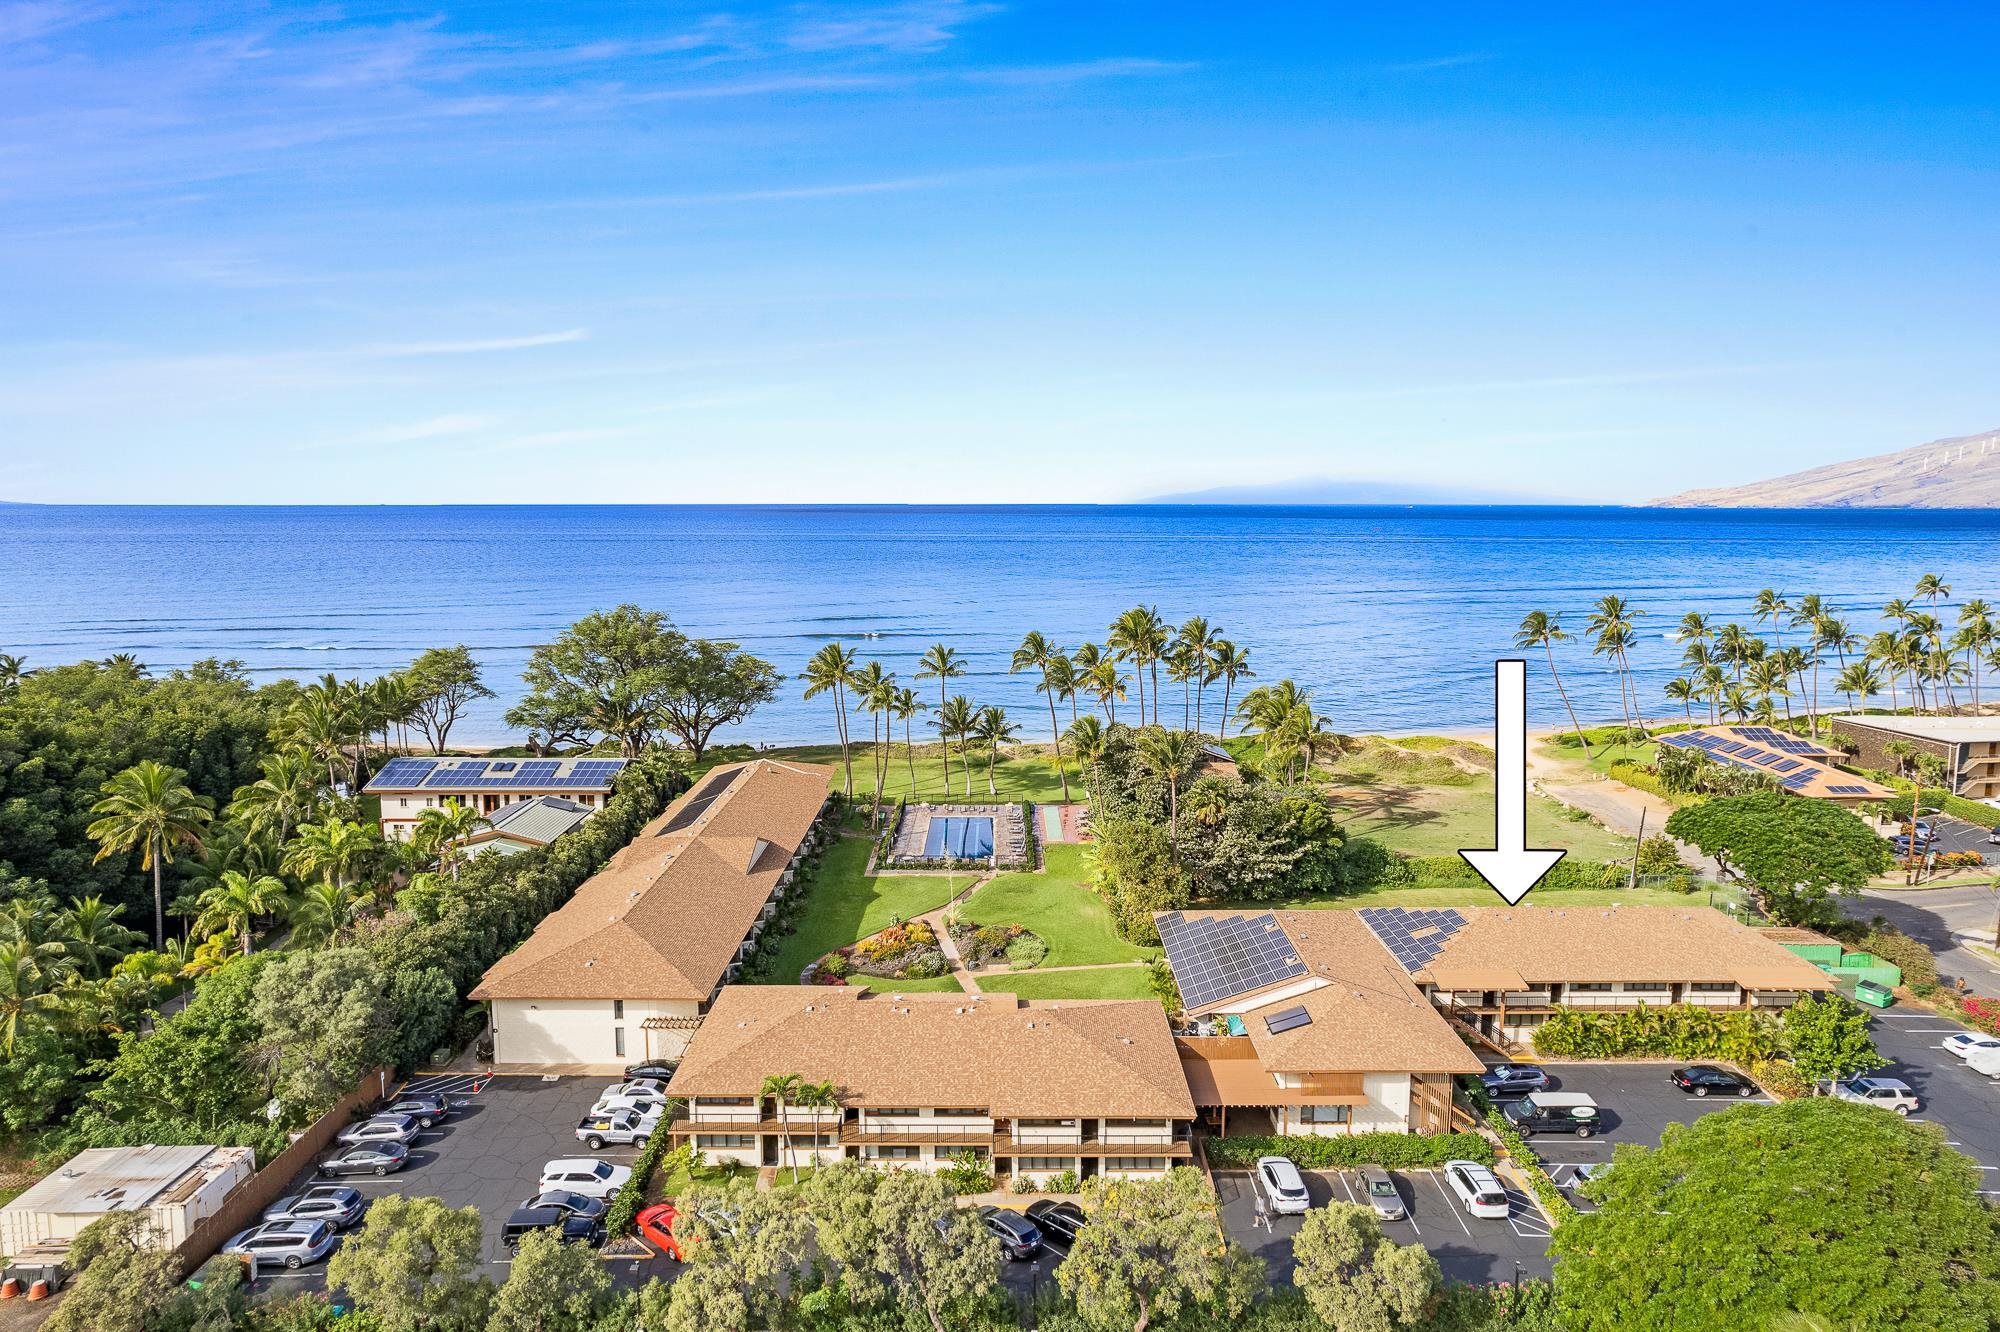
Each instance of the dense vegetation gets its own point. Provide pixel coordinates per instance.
(1798, 854)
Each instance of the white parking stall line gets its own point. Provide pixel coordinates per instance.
(1341, 1175)
(1525, 1217)
(1450, 1204)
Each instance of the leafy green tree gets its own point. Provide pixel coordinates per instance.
(1137, 874)
(149, 808)
(1828, 1038)
(552, 1287)
(705, 1297)
(757, 1251)
(607, 673)
(710, 685)
(194, 1065)
(443, 682)
(413, 1265)
(125, 1275)
(1150, 1251)
(1357, 1280)
(325, 1019)
(928, 1272)
(1797, 853)
(1849, 1213)
(425, 1005)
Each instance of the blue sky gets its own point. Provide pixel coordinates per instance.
(982, 252)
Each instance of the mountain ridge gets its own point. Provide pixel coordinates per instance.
(1962, 472)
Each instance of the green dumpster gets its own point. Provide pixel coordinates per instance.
(1869, 992)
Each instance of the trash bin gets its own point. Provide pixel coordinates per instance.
(1877, 996)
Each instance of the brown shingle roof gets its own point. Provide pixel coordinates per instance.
(1367, 1014)
(1597, 945)
(664, 919)
(990, 1051)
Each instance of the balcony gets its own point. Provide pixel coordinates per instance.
(973, 1132)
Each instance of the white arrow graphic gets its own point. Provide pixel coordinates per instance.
(1511, 867)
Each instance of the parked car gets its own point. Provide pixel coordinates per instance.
(1284, 1187)
(382, 1128)
(656, 1227)
(366, 1158)
(1478, 1191)
(1888, 1093)
(1060, 1222)
(1378, 1186)
(569, 1227)
(1964, 1043)
(1985, 1060)
(293, 1243)
(582, 1174)
(423, 1107)
(653, 1087)
(1595, 1170)
(646, 1107)
(335, 1204)
(653, 1070)
(1513, 1079)
(594, 1130)
(1019, 1237)
(575, 1203)
(1554, 1112)
(1708, 1080)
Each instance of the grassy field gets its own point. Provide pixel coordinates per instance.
(934, 985)
(1439, 820)
(847, 904)
(1060, 906)
(1028, 776)
(1097, 983)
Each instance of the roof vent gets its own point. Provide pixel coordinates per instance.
(591, 963)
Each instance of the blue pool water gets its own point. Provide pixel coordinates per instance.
(964, 836)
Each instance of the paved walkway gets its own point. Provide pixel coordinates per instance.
(1615, 805)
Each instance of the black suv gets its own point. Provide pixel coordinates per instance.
(1059, 1221)
(569, 1226)
(1019, 1237)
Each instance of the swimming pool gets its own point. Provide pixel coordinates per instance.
(960, 836)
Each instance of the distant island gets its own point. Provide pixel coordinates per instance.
(1958, 473)
(1328, 490)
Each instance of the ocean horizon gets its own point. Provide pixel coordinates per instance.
(1391, 614)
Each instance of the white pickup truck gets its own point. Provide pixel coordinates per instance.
(594, 1131)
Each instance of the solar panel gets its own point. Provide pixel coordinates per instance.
(1796, 746)
(1786, 765)
(1217, 958)
(1286, 1019)
(1412, 935)
(1796, 780)
(403, 772)
(1847, 790)
(704, 796)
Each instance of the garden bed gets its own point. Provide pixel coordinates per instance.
(908, 950)
(1020, 948)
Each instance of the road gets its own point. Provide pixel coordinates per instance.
(1933, 916)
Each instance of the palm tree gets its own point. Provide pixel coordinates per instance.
(904, 708)
(1886, 646)
(336, 850)
(283, 798)
(1194, 644)
(317, 723)
(441, 832)
(149, 808)
(1614, 622)
(815, 1096)
(829, 672)
(13, 670)
(1736, 704)
(1170, 756)
(781, 1088)
(955, 720)
(1858, 680)
(1976, 636)
(92, 935)
(1771, 605)
(321, 912)
(1227, 663)
(125, 664)
(1933, 589)
(1104, 681)
(992, 730)
(940, 663)
(1064, 681)
(1543, 630)
(1140, 636)
(1267, 708)
(876, 691)
(1711, 680)
(1769, 680)
(31, 974)
(1683, 691)
(1037, 653)
(232, 903)
(1086, 740)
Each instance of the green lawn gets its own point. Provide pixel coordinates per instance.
(1440, 820)
(1101, 983)
(1060, 906)
(847, 904)
(1028, 777)
(883, 985)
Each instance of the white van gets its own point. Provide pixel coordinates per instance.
(1984, 1059)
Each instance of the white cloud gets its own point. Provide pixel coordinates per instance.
(477, 345)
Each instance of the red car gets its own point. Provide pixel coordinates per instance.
(656, 1227)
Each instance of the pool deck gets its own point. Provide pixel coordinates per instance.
(912, 839)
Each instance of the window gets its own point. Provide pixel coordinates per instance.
(1044, 1163)
(1323, 1114)
(893, 1153)
(725, 1100)
(1648, 986)
(618, 1009)
(618, 1041)
(1138, 1163)
(1590, 987)
(1045, 1123)
(803, 1140)
(893, 1112)
(957, 1112)
(1714, 987)
(404, 803)
(725, 1140)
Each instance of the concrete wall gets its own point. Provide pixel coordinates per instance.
(585, 1031)
(401, 812)
(1387, 1111)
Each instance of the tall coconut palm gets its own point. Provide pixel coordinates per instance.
(992, 730)
(1036, 653)
(1169, 756)
(955, 720)
(125, 664)
(283, 798)
(1733, 649)
(1108, 685)
(13, 670)
(876, 694)
(1086, 658)
(1267, 708)
(1684, 692)
(1976, 637)
(31, 979)
(1771, 605)
(1227, 663)
(781, 1089)
(1140, 636)
(1614, 622)
(1736, 704)
(92, 936)
(1768, 679)
(320, 912)
(338, 851)
(817, 1097)
(942, 664)
(1064, 682)
(232, 904)
(1859, 681)
(441, 833)
(1886, 647)
(317, 723)
(904, 708)
(829, 672)
(1933, 589)
(149, 808)
(1086, 737)
(1195, 642)
(1540, 629)
(1713, 681)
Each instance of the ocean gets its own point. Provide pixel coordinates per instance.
(1391, 615)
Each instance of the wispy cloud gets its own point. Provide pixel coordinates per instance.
(1440, 62)
(923, 26)
(474, 346)
(1080, 71)
(32, 20)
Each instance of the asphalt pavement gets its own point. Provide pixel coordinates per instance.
(1963, 1103)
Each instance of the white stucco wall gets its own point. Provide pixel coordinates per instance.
(583, 1031)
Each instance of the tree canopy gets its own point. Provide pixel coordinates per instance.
(1798, 853)
(1151, 1251)
(413, 1265)
(1849, 1213)
(1355, 1279)
(443, 682)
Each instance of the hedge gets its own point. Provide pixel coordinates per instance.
(623, 1213)
(1569, 872)
(1972, 811)
(1669, 1031)
(1399, 1150)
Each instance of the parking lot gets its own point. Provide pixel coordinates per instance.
(489, 1154)
(1965, 1104)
